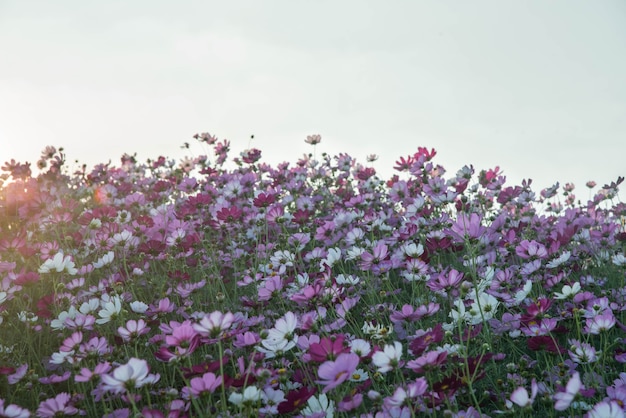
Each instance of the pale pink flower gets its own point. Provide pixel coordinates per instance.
(131, 375)
(13, 411)
(134, 328)
(214, 324)
(564, 399)
(17, 375)
(606, 409)
(313, 139)
(600, 323)
(520, 395)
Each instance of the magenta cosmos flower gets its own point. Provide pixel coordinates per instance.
(333, 373)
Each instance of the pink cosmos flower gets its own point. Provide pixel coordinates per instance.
(350, 402)
(600, 323)
(80, 322)
(428, 361)
(445, 282)
(531, 250)
(272, 287)
(72, 342)
(246, 339)
(582, 353)
(85, 375)
(537, 308)
(607, 409)
(333, 373)
(97, 347)
(214, 324)
(55, 378)
(406, 314)
(468, 226)
(564, 399)
(379, 254)
(198, 386)
(163, 306)
(19, 373)
(184, 340)
(313, 139)
(401, 395)
(545, 326)
(57, 406)
(133, 329)
(13, 411)
(131, 375)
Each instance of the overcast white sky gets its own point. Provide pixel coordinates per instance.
(535, 87)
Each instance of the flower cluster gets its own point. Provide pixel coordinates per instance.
(311, 289)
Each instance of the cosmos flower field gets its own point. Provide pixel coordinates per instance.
(226, 287)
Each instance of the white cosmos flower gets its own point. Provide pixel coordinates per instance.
(347, 279)
(62, 357)
(334, 255)
(104, 260)
(58, 263)
(459, 314)
(285, 328)
(110, 310)
(138, 307)
(618, 259)
(521, 295)
(560, 260)
(316, 405)
(251, 394)
(389, 358)
(568, 291)
(354, 253)
(520, 395)
(124, 239)
(59, 323)
(483, 309)
(412, 249)
(376, 332)
(273, 348)
(360, 347)
(90, 306)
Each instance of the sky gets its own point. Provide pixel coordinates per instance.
(537, 88)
